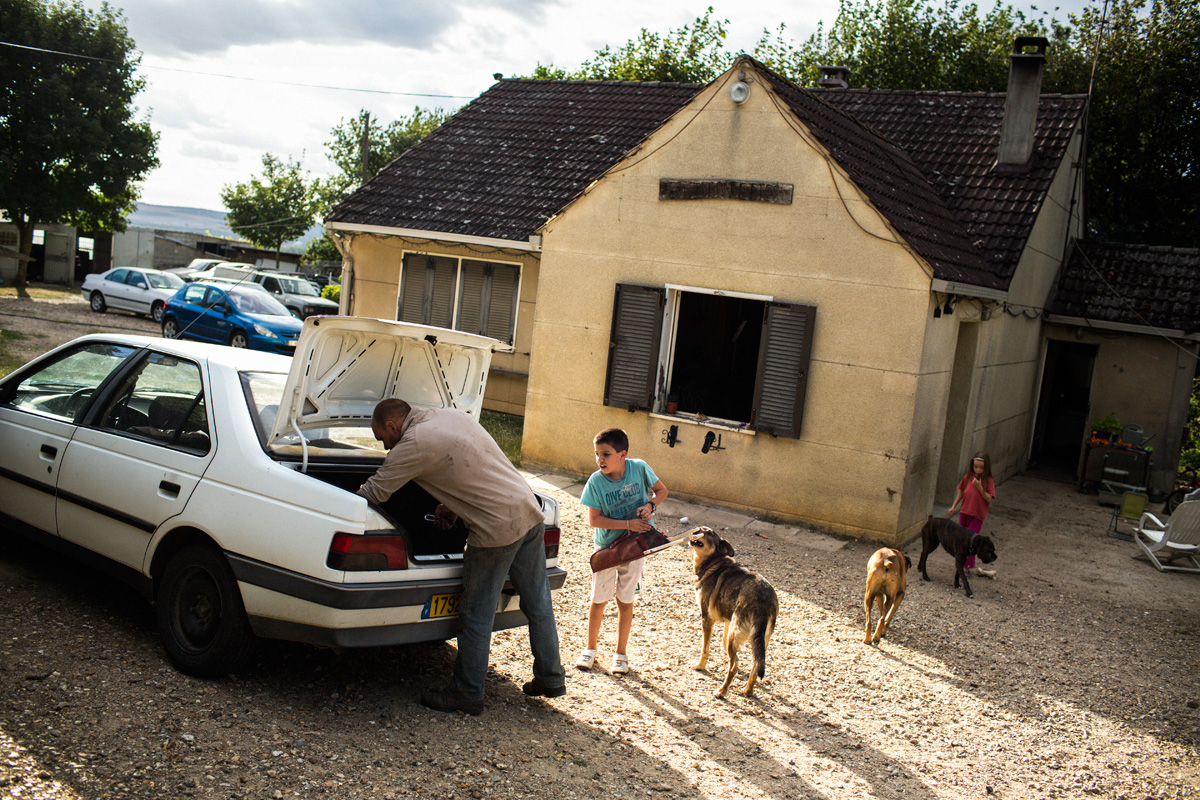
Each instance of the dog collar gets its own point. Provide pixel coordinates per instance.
(971, 543)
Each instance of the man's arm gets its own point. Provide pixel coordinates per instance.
(397, 469)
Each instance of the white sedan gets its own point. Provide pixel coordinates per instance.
(220, 483)
(143, 291)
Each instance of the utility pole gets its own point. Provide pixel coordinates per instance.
(365, 146)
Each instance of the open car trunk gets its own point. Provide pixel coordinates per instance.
(406, 509)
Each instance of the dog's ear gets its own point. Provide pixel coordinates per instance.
(724, 548)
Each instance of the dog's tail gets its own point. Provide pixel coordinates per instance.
(758, 648)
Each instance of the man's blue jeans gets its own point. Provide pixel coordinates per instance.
(484, 572)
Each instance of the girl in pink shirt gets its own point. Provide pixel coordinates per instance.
(976, 491)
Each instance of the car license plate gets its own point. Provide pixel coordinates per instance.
(291, 343)
(441, 605)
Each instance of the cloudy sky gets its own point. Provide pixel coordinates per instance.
(230, 80)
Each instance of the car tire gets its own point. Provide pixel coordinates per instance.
(200, 614)
(156, 311)
(170, 329)
(238, 339)
(96, 301)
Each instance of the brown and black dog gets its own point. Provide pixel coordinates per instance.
(887, 575)
(728, 592)
(959, 542)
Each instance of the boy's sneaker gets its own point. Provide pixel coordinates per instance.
(985, 573)
(620, 664)
(586, 659)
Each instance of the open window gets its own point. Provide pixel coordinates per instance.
(725, 356)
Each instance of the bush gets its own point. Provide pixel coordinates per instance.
(1189, 453)
(332, 292)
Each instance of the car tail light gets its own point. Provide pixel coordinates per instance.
(368, 552)
(551, 537)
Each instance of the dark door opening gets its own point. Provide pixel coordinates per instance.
(1062, 415)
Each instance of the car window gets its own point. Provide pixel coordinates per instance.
(270, 284)
(264, 393)
(249, 301)
(164, 280)
(195, 294)
(118, 275)
(297, 286)
(137, 279)
(62, 389)
(162, 400)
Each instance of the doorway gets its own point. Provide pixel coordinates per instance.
(1063, 407)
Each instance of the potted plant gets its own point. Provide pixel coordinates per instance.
(1106, 429)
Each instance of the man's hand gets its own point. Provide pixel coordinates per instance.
(444, 518)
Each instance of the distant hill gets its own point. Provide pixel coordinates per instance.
(201, 220)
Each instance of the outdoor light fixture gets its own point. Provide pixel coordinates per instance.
(738, 92)
(948, 308)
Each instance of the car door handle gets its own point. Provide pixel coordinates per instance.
(166, 487)
(49, 452)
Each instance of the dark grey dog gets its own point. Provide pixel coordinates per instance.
(959, 542)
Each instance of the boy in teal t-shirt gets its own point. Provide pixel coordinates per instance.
(620, 497)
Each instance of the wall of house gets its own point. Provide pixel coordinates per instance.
(828, 248)
(998, 413)
(375, 289)
(1144, 380)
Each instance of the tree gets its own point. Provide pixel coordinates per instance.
(693, 54)
(1144, 138)
(273, 209)
(71, 148)
(384, 144)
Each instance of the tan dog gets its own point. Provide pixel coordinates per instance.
(887, 576)
(728, 592)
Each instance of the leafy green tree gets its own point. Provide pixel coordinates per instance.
(1144, 137)
(385, 143)
(70, 147)
(275, 208)
(691, 54)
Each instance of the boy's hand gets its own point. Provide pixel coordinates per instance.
(639, 525)
(645, 511)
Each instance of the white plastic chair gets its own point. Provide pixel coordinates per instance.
(1179, 537)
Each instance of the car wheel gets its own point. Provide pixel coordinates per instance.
(238, 339)
(156, 311)
(97, 303)
(170, 329)
(200, 614)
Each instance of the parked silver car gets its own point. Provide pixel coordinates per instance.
(143, 291)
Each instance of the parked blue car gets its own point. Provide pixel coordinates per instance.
(239, 316)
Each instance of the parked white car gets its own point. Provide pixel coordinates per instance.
(143, 291)
(220, 482)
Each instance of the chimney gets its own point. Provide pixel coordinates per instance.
(1021, 102)
(834, 78)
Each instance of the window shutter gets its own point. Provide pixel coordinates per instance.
(633, 346)
(471, 313)
(783, 358)
(502, 304)
(427, 291)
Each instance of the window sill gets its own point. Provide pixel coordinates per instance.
(706, 422)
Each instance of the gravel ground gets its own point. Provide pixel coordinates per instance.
(1072, 674)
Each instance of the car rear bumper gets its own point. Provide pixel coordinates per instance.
(286, 605)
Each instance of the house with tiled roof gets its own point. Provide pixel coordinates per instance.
(809, 304)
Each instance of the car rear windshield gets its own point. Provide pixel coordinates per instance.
(264, 392)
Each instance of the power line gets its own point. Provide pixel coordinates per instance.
(241, 77)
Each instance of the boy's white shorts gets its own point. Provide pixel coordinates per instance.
(621, 581)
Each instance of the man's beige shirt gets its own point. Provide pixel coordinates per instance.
(451, 456)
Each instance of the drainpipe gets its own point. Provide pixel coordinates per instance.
(342, 243)
(1021, 101)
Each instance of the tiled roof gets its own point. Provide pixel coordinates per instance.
(514, 157)
(524, 150)
(1132, 284)
(953, 138)
(894, 184)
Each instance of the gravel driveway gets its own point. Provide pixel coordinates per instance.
(1073, 674)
